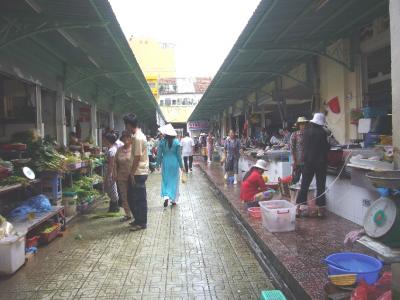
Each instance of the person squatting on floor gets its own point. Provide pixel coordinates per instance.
(316, 149)
(253, 187)
(137, 194)
(123, 166)
(170, 159)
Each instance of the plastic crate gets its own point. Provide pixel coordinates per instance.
(52, 186)
(272, 295)
(278, 215)
(373, 112)
(46, 238)
(32, 241)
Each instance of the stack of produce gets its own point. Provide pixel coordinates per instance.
(46, 158)
(11, 180)
(6, 168)
(85, 188)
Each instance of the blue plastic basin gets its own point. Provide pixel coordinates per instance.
(366, 267)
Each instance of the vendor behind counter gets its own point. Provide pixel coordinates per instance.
(74, 143)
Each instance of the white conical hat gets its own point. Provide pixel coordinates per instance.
(167, 130)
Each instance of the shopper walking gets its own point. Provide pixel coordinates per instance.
(110, 183)
(316, 149)
(150, 148)
(203, 144)
(123, 166)
(232, 155)
(210, 147)
(137, 194)
(170, 158)
(187, 145)
(297, 149)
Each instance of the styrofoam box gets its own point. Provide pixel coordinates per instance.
(278, 215)
(12, 254)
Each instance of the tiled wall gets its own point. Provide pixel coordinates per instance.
(348, 201)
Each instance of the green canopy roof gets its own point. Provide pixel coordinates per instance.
(82, 42)
(281, 35)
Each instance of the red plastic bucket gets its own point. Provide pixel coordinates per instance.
(254, 212)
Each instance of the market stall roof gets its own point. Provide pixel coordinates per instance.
(280, 35)
(82, 42)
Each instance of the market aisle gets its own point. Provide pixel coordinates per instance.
(191, 252)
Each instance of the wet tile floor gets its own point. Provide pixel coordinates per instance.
(193, 251)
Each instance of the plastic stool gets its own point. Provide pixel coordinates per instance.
(272, 295)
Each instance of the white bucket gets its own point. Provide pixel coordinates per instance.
(12, 254)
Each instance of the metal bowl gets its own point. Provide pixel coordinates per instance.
(385, 179)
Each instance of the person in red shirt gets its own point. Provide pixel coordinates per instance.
(253, 183)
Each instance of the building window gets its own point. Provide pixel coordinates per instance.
(161, 102)
(167, 102)
(173, 102)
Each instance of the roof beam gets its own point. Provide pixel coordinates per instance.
(360, 17)
(135, 69)
(303, 50)
(304, 11)
(330, 18)
(305, 84)
(91, 76)
(261, 21)
(43, 28)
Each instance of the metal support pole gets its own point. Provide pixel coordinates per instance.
(315, 81)
(39, 117)
(394, 10)
(278, 98)
(112, 124)
(72, 117)
(60, 114)
(93, 120)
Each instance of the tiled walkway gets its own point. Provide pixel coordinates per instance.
(193, 251)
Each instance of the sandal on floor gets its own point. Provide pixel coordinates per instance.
(166, 203)
(298, 212)
(125, 218)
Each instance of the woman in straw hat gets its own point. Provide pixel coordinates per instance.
(297, 148)
(170, 158)
(253, 185)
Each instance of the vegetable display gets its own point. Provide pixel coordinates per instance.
(72, 159)
(84, 187)
(2, 220)
(11, 180)
(46, 158)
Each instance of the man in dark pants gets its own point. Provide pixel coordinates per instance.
(187, 145)
(316, 149)
(137, 195)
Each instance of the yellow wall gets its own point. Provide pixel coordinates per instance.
(155, 58)
(338, 81)
(177, 114)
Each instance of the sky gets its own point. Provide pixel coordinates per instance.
(203, 31)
